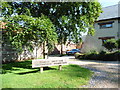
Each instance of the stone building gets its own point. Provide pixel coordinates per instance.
(106, 27)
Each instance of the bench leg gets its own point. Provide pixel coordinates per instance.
(60, 67)
(41, 69)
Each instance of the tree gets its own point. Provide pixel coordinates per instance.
(70, 19)
(22, 31)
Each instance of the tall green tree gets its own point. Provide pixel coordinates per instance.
(69, 18)
(23, 31)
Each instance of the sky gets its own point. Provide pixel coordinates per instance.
(106, 3)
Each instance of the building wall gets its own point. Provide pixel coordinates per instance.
(91, 43)
(106, 32)
(94, 43)
(119, 29)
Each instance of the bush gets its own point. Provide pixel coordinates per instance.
(103, 55)
(118, 42)
(102, 52)
(78, 55)
(92, 52)
(118, 52)
(110, 44)
(91, 55)
(117, 55)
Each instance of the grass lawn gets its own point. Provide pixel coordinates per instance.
(21, 75)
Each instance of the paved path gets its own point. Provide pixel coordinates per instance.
(105, 72)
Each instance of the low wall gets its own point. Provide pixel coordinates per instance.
(9, 54)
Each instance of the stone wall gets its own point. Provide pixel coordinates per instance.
(10, 54)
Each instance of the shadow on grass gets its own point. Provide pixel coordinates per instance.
(34, 71)
(26, 67)
(22, 64)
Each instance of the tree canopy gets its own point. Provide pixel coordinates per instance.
(69, 18)
(24, 30)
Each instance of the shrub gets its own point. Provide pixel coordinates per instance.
(93, 52)
(102, 52)
(103, 55)
(117, 51)
(78, 55)
(91, 55)
(117, 54)
(110, 44)
(118, 42)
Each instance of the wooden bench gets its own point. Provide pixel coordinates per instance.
(48, 62)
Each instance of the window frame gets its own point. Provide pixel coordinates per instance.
(102, 26)
(106, 23)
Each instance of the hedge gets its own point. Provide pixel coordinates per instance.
(100, 56)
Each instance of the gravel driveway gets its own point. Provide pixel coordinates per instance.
(105, 72)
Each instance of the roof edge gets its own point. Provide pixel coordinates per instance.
(108, 19)
(111, 5)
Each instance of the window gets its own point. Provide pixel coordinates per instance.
(106, 24)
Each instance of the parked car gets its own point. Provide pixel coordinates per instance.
(72, 52)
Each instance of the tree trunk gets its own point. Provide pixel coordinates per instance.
(61, 49)
(43, 50)
(36, 51)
